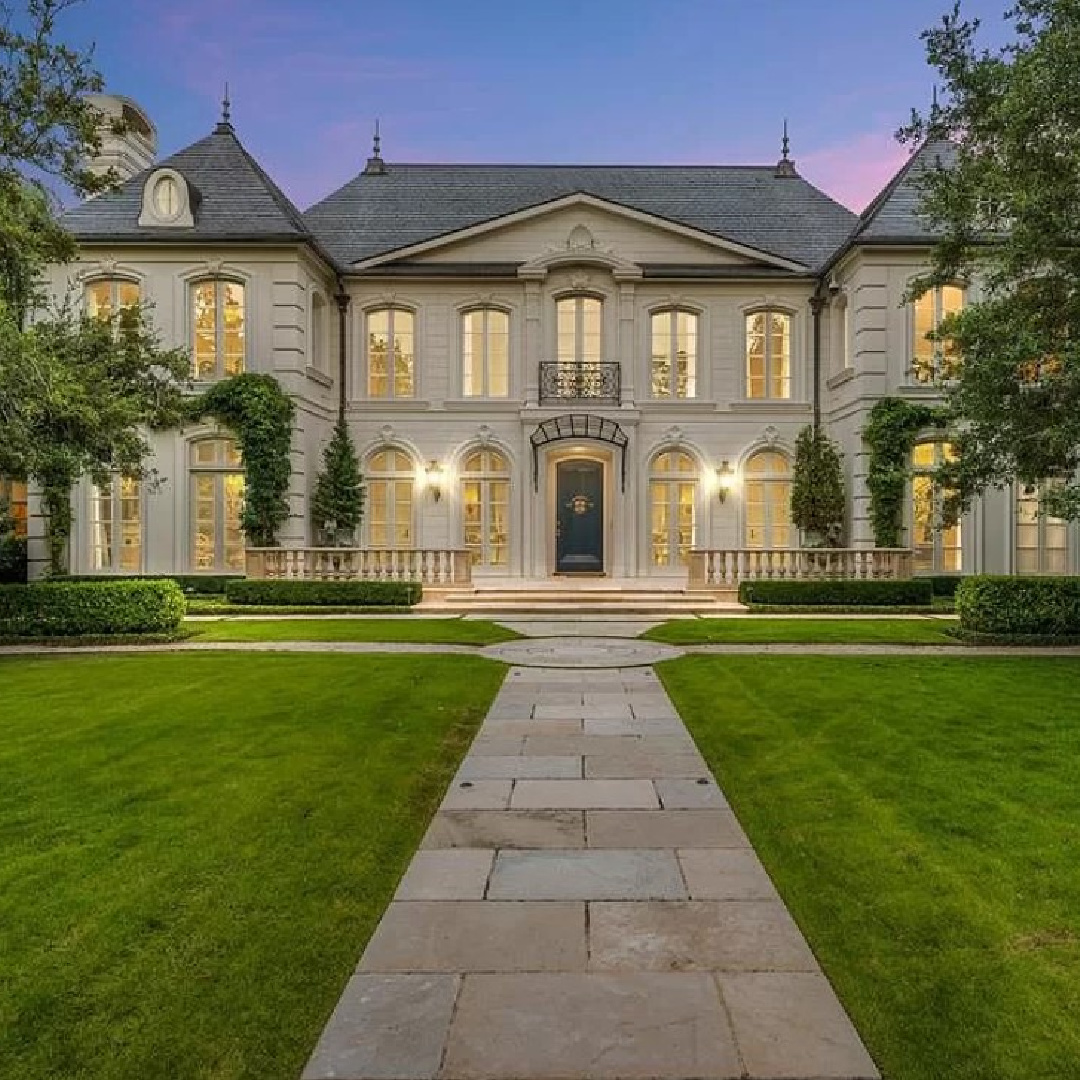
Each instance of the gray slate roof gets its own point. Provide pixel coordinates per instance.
(894, 213)
(237, 200)
(785, 216)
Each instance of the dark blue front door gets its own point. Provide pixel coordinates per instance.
(579, 494)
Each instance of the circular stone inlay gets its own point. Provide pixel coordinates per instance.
(581, 652)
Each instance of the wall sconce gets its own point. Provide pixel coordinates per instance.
(434, 477)
(725, 478)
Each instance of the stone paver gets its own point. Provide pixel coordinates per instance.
(585, 905)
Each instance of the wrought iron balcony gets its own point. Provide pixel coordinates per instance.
(598, 381)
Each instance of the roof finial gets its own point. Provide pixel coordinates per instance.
(785, 167)
(375, 165)
(226, 107)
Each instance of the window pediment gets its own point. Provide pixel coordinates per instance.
(168, 201)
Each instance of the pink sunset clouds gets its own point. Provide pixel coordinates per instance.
(855, 170)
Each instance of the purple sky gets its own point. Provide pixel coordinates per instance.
(597, 81)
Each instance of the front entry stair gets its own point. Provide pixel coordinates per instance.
(556, 598)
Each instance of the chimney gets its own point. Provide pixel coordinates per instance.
(132, 151)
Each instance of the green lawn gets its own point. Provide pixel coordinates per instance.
(762, 630)
(435, 631)
(922, 819)
(195, 848)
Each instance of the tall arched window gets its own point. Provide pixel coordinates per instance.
(485, 353)
(768, 355)
(672, 515)
(391, 358)
(218, 320)
(217, 500)
(116, 526)
(1042, 541)
(768, 500)
(933, 359)
(673, 363)
(389, 508)
(485, 503)
(935, 547)
(106, 296)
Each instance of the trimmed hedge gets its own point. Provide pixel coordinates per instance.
(190, 584)
(945, 584)
(65, 609)
(841, 592)
(323, 593)
(1019, 606)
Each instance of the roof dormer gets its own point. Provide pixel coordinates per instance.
(168, 201)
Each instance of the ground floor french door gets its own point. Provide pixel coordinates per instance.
(579, 517)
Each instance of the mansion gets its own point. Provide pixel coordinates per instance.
(559, 369)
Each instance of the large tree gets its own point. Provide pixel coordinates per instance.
(1007, 205)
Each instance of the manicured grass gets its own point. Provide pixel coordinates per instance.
(921, 817)
(763, 630)
(436, 631)
(195, 848)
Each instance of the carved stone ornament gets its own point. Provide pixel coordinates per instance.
(580, 239)
(483, 435)
(581, 281)
(675, 435)
(387, 432)
(770, 435)
(213, 266)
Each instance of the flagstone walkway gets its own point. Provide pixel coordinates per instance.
(585, 905)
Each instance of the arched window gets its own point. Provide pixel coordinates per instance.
(936, 548)
(1042, 541)
(106, 296)
(391, 342)
(116, 526)
(485, 353)
(389, 509)
(217, 500)
(673, 363)
(768, 355)
(219, 323)
(768, 500)
(933, 359)
(485, 501)
(673, 479)
(318, 357)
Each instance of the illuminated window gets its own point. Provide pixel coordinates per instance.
(13, 503)
(485, 501)
(673, 354)
(768, 500)
(116, 526)
(579, 330)
(218, 322)
(768, 355)
(217, 501)
(935, 546)
(485, 353)
(934, 359)
(106, 296)
(389, 506)
(673, 479)
(391, 337)
(1042, 541)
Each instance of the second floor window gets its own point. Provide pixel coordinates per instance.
(219, 322)
(674, 354)
(578, 330)
(485, 353)
(319, 354)
(391, 335)
(933, 360)
(768, 355)
(106, 296)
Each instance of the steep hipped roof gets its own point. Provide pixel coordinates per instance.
(237, 200)
(750, 205)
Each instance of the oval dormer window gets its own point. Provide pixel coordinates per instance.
(167, 197)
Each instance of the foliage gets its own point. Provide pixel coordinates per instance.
(190, 584)
(76, 397)
(338, 502)
(1005, 207)
(61, 609)
(260, 414)
(267, 591)
(1020, 606)
(839, 591)
(890, 434)
(945, 584)
(817, 488)
(12, 550)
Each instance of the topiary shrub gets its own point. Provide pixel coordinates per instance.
(945, 584)
(1019, 607)
(66, 609)
(817, 489)
(325, 593)
(190, 584)
(915, 592)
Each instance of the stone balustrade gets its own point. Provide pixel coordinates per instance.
(725, 569)
(432, 567)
